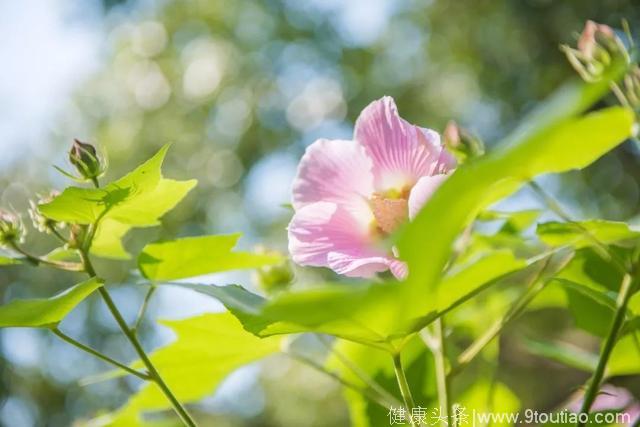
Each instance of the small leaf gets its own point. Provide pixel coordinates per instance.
(583, 233)
(196, 256)
(47, 312)
(62, 254)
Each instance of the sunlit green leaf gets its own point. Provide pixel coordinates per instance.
(139, 198)
(625, 357)
(4, 260)
(46, 312)
(195, 256)
(107, 242)
(584, 233)
(207, 349)
(360, 313)
(550, 141)
(63, 254)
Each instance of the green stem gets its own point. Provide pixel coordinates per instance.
(494, 330)
(361, 374)
(371, 394)
(600, 248)
(405, 391)
(626, 291)
(133, 339)
(35, 260)
(143, 307)
(99, 355)
(442, 381)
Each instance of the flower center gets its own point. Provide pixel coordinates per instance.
(389, 212)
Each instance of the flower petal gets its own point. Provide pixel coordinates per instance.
(401, 152)
(422, 191)
(334, 171)
(324, 234)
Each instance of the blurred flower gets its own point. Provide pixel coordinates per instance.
(348, 195)
(11, 228)
(461, 142)
(599, 49)
(40, 222)
(610, 398)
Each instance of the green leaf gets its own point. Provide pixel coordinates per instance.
(138, 199)
(359, 313)
(514, 222)
(566, 354)
(207, 349)
(107, 242)
(196, 256)
(583, 233)
(4, 260)
(63, 254)
(625, 356)
(550, 141)
(47, 312)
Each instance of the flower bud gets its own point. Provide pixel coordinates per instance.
(632, 87)
(599, 49)
(85, 158)
(462, 143)
(40, 222)
(11, 228)
(77, 234)
(273, 278)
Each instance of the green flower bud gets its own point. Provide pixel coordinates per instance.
(274, 278)
(462, 143)
(77, 234)
(85, 158)
(598, 50)
(11, 229)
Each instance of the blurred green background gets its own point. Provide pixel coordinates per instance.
(241, 88)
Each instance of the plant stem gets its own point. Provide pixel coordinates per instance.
(143, 307)
(99, 355)
(67, 266)
(442, 379)
(361, 374)
(133, 339)
(494, 330)
(626, 291)
(367, 392)
(405, 391)
(600, 248)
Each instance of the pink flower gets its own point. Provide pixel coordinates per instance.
(349, 195)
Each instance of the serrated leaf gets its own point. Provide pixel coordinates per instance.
(582, 233)
(46, 312)
(207, 349)
(196, 256)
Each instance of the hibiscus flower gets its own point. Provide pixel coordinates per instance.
(349, 195)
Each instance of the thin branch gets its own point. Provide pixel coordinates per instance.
(367, 392)
(361, 374)
(99, 355)
(143, 307)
